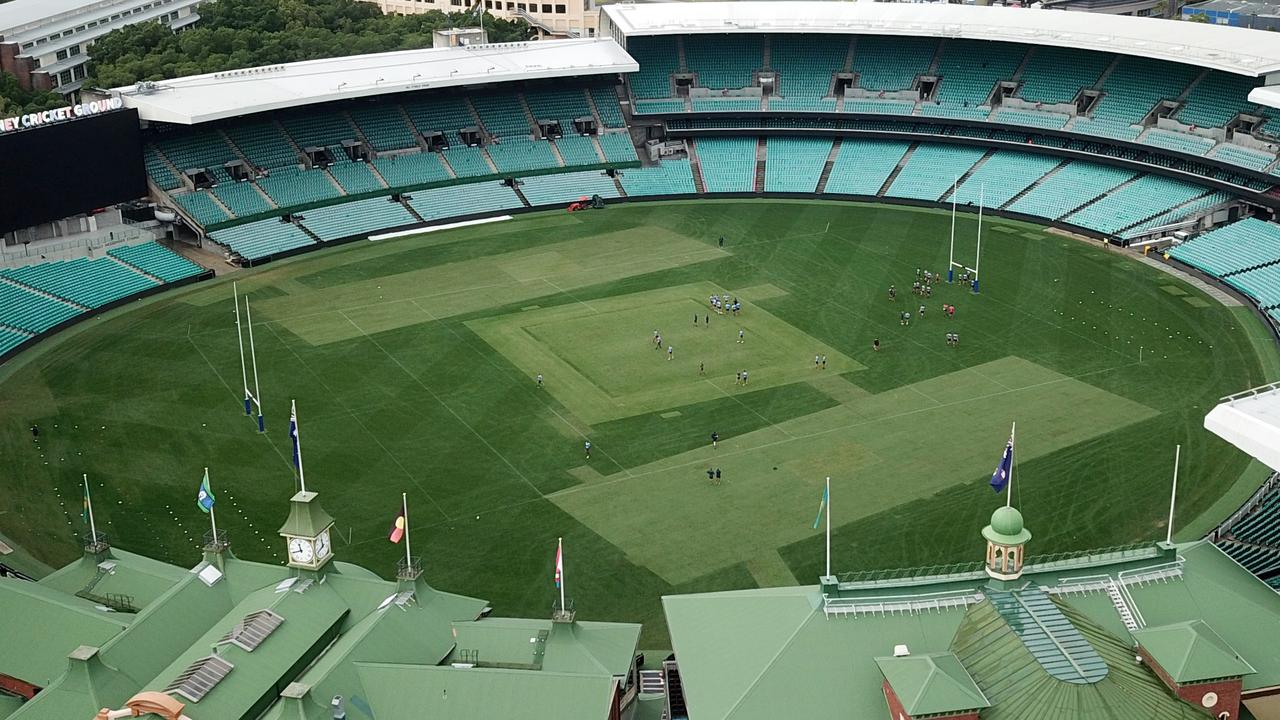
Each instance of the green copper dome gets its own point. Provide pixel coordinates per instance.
(1006, 527)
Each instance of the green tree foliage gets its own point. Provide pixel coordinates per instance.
(246, 33)
(16, 101)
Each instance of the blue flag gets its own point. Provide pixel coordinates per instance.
(293, 434)
(821, 506)
(204, 498)
(1000, 478)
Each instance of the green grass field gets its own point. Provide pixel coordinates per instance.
(412, 362)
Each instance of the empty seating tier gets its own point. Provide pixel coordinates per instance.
(503, 116)
(1002, 176)
(1135, 202)
(26, 310)
(728, 164)
(155, 259)
(1242, 245)
(261, 239)
(968, 70)
(1218, 98)
(318, 129)
(263, 144)
(863, 166)
(1262, 284)
(444, 114)
(931, 170)
(670, 177)
(659, 106)
(360, 217)
(354, 177)
(607, 107)
(458, 200)
(384, 126)
(1056, 75)
(1181, 142)
(891, 63)
(1137, 84)
(1069, 188)
(807, 64)
(202, 208)
(411, 169)
(1244, 157)
(564, 105)
(802, 104)
(659, 57)
(726, 104)
(241, 198)
(10, 339)
(617, 147)
(204, 149)
(1031, 118)
(882, 107)
(518, 155)
(577, 150)
(92, 283)
(467, 161)
(160, 173)
(564, 188)
(724, 61)
(794, 164)
(290, 186)
(1177, 215)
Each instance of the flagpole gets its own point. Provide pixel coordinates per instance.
(88, 499)
(560, 556)
(1009, 499)
(828, 526)
(408, 555)
(1173, 495)
(212, 519)
(297, 441)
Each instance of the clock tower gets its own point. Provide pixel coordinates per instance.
(307, 533)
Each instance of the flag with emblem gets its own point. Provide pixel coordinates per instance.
(204, 498)
(1000, 478)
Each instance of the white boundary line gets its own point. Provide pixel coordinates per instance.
(435, 228)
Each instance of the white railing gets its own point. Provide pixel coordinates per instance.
(899, 604)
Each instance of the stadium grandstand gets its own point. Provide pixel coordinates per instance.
(1130, 132)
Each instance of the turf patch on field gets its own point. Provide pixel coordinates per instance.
(601, 362)
(667, 517)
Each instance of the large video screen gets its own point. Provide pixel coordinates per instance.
(61, 169)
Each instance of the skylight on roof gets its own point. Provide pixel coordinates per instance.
(1054, 642)
(200, 677)
(249, 633)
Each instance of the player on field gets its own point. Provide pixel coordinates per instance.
(671, 352)
(875, 344)
(893, 293)
(744, 377)
(539, 379)
(715, 438)
(587, 447)
(741, 336)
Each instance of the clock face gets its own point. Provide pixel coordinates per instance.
(322, 545)
(300, 550)
(1209, 700)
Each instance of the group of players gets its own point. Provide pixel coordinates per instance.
(923, 286)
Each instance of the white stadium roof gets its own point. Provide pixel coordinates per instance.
(203, 98)
(1235, 50)
(1251, 421)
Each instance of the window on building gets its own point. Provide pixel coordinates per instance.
(561, 9)
(79, 72)
(455, 2)
(64, 77)
(61, 55)
(546, 9)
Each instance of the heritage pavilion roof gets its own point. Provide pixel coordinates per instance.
(577, 648)
(52, 624)
(419, 691)
(932, 684)
(1191, 651)
(757, 654)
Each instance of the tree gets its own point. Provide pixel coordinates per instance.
(1196, 18)
(236, 34)
(14, 100)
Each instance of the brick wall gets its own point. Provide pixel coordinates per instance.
(18, 687)
(1228, 691)
(896, 712)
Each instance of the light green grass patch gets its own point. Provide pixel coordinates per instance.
(1194, 301)
(601, 362)
(395, 301)
(880, 451)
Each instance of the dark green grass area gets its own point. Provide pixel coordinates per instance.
(397, 393)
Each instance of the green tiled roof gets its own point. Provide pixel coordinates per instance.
(931, 684)
(579, 648)
(52, 624)
(408, 691)
(8, 706)
(139, 577)
(1191, 651)
(1053, 641)
(1020, 688)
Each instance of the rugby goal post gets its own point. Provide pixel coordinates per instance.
(252, 398)
(977, 258)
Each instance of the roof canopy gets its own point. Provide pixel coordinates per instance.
(204, 98)
(932, 684)
(1251, 421)
(1235, 50)
(1191, 651)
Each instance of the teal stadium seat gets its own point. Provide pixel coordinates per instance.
(956, 112)
(467, 161)
(241, 198)
(310, 128)
(801, 104)
(92, 283)
(1262, 284)
(564, 105)
(794, 164)
(806, 64)
(1242, 245)
(354, 177)
(384, 126)
(1178, 214)
(878, 106)
(517, 155)
(1031, 118)
(356, 218)
(578, 150)
(969, 70)
(891, 63)
(155, 259)
(658, 106)
(1137, 84)
(1181, 142)
(202, 208)
(290, 186)
(503, 116)
(1244, 157)
(1002, 176)
(1069, 188)
(160, 173)
(1056, 75)
(1218, 98)
(25, 310)
(726, 104)
(728, 164)
(617, 147)
(10, 339)
(411, 169)
(931, 170)
(659, 57)
(608, 110)
(264, 238)
(863, 166)
(199, 149)
(563, 188)
(263, 144)
(445, 114)
(669, 177)
(458, 200)
(724, 61)
(1147, 196)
